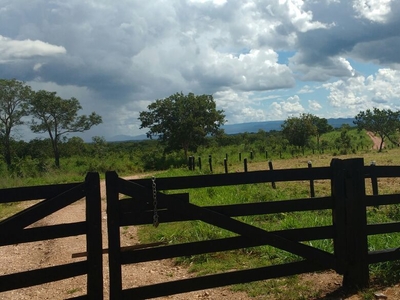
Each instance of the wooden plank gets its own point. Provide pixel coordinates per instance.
(137, 217)
(94, 243)
(40, 276)
(224, 279)
(78, 298)
(40, 210)
(382, 171)
(43, 233)
(383, 255)
(176, 183)
(382, 199)
(339, 213)
(34, 192)
(217, 245)
(383, 228)
(357, 272)
(130, 213)
(114, 240)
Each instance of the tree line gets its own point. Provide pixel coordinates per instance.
(182, 122)
(49, 114)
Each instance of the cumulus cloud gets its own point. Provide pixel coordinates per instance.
(374, 10)
(291, 106)
(314, 105)
(359, 93)
(11, 50)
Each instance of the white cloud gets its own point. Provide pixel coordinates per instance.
(15, 49)
(314, 105)
(373, 10)
(359, 93)
(37, 66)
(301, 19)
(239, 107)
(291, 106)
(306, 90)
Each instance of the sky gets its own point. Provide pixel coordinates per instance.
(261, 60)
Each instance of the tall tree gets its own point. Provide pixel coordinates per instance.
(182, 121)
(14, 96)
(298, 130)
(57, 117)
(384, 123)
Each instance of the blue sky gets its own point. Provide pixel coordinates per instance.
(261, 60)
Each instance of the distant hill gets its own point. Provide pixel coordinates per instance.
(276, 125)
(123, 137)
(239, 128)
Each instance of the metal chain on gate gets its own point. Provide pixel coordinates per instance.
(155, 215)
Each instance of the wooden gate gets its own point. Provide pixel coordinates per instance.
(138, 208)
(143, 203)
(13, 230)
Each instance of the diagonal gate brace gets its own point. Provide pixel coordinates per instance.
(209, 216)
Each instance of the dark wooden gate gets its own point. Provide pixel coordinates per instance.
(13, 230)
(139, 209)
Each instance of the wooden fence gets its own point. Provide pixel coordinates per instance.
(144, 201)
(56, 197)
(349, 230)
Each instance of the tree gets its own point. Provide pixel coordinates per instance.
(298, 130)
(182, 121)
(384, 123)
(343, 143)
(14, 96)
(321, 125)
(57, 117)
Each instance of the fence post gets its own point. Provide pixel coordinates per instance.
(350, 221)
(245, 164)
(193, 163)
(190, 163)
(114, 239)
(272, 168)
(94, 244)
(240, 156)
(226, 165)
(199, 163)
(312, 190)
(374, 179)
(210, 162)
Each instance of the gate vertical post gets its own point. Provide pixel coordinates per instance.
(351, 241)
(114, 240)
(94, 244)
